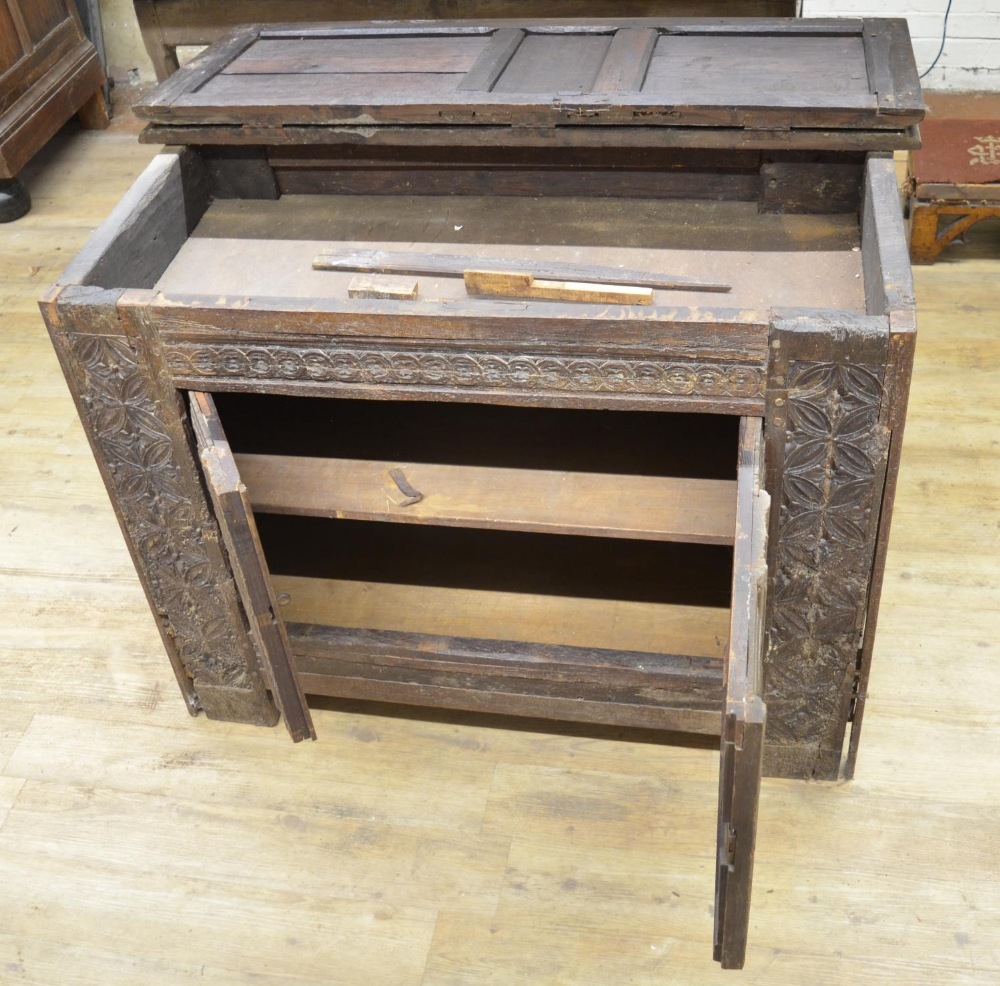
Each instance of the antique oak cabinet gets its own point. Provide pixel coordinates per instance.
(48, 72)
(647, 480)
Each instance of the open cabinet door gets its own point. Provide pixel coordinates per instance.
(239, 532)
(744, 713)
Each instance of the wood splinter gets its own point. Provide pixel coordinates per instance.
(515, 284)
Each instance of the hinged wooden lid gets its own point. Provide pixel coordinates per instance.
(754, 75)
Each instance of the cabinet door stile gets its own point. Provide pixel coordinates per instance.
(744, 714)
(239, 532)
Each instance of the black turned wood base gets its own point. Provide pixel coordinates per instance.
(14, 200)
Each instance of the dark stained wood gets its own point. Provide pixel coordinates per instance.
(361, 55)
(698, 75)
(165, 24)
(886, 239)
(744, 713)
(492, 61)
(137, 430)
(48, 72)
(627, 60)
(832, 187)
(585, 592)
(233, 510)
(559, 138)
(635, 689)
(827, 457)
(240, 173)
(892, 71)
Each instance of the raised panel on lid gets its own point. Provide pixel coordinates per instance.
(778, 70)
(359, 56)
(757, 75)
(555, 64)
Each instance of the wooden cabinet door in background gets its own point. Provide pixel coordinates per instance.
(48, 72)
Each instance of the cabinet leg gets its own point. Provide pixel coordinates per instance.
(93, 115)
(14, 200)
(137, 426)
(827, 455)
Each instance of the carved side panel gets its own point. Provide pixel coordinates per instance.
(829, 452)
(134, 425)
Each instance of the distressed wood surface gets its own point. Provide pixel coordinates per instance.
(249, 567)
(699, 511)
(166, 24)
(440, 849)
(750, 75)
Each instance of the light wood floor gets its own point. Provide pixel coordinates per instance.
(139, 846)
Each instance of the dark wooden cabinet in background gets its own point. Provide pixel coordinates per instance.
(48, 72)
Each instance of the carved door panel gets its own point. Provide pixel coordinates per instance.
(239, 532)
(744, 715)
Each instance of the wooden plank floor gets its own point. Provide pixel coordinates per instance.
(138, 846)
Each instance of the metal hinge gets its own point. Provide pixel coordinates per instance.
(730, 845)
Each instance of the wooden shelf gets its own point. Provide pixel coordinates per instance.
(613, 624)
(698, 511)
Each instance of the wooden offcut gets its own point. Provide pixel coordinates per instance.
(515, 284)
(382, 287)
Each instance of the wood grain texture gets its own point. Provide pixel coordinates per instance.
(548, 854)
(249, 567)
(699, 511)
(754, 75)
(700, 631)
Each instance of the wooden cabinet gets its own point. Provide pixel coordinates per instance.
(671, 514)
(48, 72)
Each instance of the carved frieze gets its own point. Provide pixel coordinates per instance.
(528, 373)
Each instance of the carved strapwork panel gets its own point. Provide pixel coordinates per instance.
(174, 540)
(828, 460)
(192, 364)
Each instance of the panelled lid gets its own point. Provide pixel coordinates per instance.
(751, 74)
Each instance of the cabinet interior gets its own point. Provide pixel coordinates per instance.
(548, 562)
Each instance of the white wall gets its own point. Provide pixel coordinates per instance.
(971, 58)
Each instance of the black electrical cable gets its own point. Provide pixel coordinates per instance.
(944, 34)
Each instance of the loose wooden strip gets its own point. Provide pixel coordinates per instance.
(627, 61)
(516, 284)
(700, 511)
(455, 265)
(655, 628)
(382, 287)
(489, 66)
